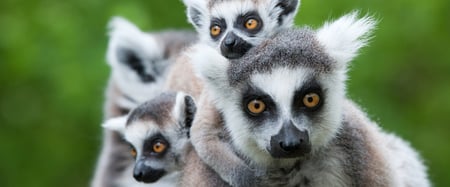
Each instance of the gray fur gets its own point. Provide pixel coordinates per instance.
(290, 53)
(158, 111)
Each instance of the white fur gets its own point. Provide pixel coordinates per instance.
(116, 124)
(179, 108)
(199, 5)
(405, 162)
(343, 37)
(209, 64)
(123, 34)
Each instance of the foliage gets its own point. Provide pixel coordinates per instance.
(53, 73)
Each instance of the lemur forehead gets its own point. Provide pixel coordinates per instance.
(213, 3)
(158, 110)
(291, 48)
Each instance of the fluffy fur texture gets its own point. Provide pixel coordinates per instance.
(165, 118)
(139, 63)
(347, 149)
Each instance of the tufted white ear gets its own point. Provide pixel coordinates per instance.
(127, 42)
(196, 12)
(209, 65)
(116, 124)
(343, 37)
(285, 11)
(184, 109)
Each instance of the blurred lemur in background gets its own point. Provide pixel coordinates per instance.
(139, 62)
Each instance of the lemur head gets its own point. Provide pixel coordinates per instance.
(234, 26)
(139, 60)
(158, 133)
(136, 59)
(282, 100)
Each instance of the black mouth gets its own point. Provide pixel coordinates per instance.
(146, 174)
(235, 52)
(233, 55)
(146, 78)
(299, 153)
(154, 176)
(286, 149)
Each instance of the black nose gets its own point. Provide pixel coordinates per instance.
(290, 142)
(230, 41)
(233, 46)
(146, 174)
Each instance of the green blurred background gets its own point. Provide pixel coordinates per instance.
(53, 74)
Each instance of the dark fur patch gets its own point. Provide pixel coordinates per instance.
(135, 62)
(158, 109)
(288, 7)
(290, 48)
(189, 111)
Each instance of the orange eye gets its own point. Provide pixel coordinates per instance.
(159, 147)
(311, 100)
(215, 30)
(133, 152)
(251, 24)
(256, 106)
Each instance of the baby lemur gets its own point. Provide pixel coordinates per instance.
(283, 109)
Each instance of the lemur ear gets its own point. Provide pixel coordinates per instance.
(209, 65)
(185, 109)
(344, 37)
(116, 124)
(285, 10)
(196, 12)
(130, 46)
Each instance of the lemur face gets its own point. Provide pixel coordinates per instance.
(235, 26)
(158, 134)
(288, 111)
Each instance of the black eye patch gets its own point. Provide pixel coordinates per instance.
(241, 20)
(149, 145)
(252, 93)
(310, 87)
(220, 22)
(132, 60)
